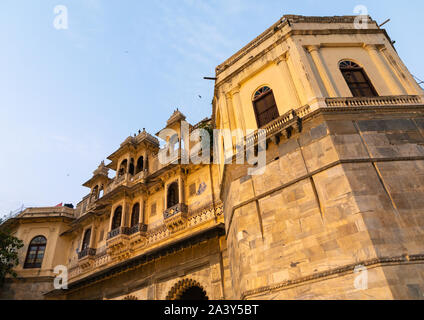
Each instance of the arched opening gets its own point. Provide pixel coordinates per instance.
(117, 216)
(357, 80)
(193, 293)
(86, 240)
(135, 215)
(187, 289)
(265, 106)
(35, 254)
(131, 168)
(95, 193)
(123, 168)
(140, 164)
(101, 192)
(172, 195)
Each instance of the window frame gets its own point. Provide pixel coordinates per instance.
(32, 264)
(346, 66)
(259, 95)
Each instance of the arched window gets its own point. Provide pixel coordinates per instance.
(132, 168)
(265, 106)
(101, 192)
(172, 195)
(95, 192)
(140, 164)
(86, 240)
(123, 168)
(135, 216)
(35, 255)
(117, 216)
(357, 80)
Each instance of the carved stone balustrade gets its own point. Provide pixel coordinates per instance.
(86, 258)
(138, 237)
(118, 243)
(176, 217)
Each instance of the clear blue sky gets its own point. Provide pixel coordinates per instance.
(68, 98)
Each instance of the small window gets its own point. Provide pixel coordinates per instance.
(357, 80)
(192, 189)
(140, 164)
(35, 255)
(172, 195)
(131, 168)
(153, 210)
(265, 106)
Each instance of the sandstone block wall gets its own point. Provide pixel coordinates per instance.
(346, 191)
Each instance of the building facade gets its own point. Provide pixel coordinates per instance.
(341, 122)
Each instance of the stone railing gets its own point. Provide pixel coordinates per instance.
(86, 252)
(179, 208)
(373, 101)
(118, 231)
(137, 228)
(273, 127)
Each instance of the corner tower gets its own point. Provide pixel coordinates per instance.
(343, 185)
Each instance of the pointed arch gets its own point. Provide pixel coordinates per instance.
(117, 217)
(135, 215)
(172, 195)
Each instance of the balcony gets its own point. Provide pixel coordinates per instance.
(175, 218)
(118, 231)
(138, 238)
(86, 258)
(86, 252)
(118, 243)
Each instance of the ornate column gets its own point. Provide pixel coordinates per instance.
(322, 70)
(239, 108)
(312, 92)
(386, 74)
(293, 96)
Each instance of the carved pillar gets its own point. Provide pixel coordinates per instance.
(322, 70)
(92, 236)
(181, 189)
(111, 218)
(385, 72)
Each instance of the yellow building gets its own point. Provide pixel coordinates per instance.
(340, 120)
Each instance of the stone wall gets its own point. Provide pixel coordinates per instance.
(346, 191)
(26, 288)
